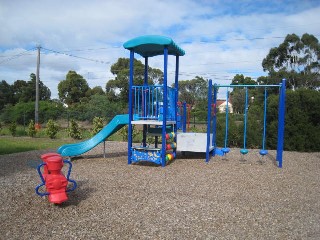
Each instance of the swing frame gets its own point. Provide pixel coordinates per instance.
(212, 118)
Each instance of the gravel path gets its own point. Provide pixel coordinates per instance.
(188, 199)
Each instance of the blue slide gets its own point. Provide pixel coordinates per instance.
(76, 149)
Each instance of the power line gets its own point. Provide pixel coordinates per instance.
(91, 49)
(18, 55)
(74, 56)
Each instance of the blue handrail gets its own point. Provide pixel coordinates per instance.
(148, 102)
(42, 181)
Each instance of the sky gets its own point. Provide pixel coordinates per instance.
(221, 38)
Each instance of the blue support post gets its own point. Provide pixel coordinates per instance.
(227, 123)
(281, 119)
(214, 121)
(130, 108)
(145, 83)
(184, 122)
(176, 86)
(209, 121)
(164, 106)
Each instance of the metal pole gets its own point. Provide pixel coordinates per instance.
(281, 119)
(146, 103)
(130, 107)
(214, 121)
(36, 112)
(164, 106)
(176, 98)
(209, 121)
(184, 124)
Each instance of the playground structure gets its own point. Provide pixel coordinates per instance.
(211, 126)
(156, 108)
(153, 107)
(159, 113)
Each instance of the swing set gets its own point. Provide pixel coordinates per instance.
(212, 120)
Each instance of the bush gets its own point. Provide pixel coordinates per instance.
(52, 129)
(97, 125)
(74, 130)
(31, 129)
(124, 132)
(97, 105)
(302, 127)
(13, 129)
(23, 112)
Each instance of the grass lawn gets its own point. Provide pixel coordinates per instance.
(22, 144)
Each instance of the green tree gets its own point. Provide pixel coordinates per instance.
(73, 88)
(238, 95)
(25, 91)
(193, 91)
(97, 105)
(302, 127)
(6, 94)
(95, 91)
(118, 88)
(44, 91)
(240, 79)
(297, 59)
(19, 89)
(23, 112)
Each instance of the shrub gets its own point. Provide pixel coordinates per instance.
(124, 132)
(97, 125)
(52, 129)
(74, 130)
(13, 128)
(31, 129)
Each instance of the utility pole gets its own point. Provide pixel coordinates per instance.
(36, 112)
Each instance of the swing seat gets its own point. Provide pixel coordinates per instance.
(263, 152)
(244, 151)
(225, 150)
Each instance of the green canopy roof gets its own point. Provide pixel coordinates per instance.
(153, 45)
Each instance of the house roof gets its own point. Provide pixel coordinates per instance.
(222, 101)
(153, 45)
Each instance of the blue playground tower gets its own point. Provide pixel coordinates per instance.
(154, 107)
(154, 110)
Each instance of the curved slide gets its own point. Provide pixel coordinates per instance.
(76, 149)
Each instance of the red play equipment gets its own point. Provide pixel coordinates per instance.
(53, 179)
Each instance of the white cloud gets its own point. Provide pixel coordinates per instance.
(220, 39)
